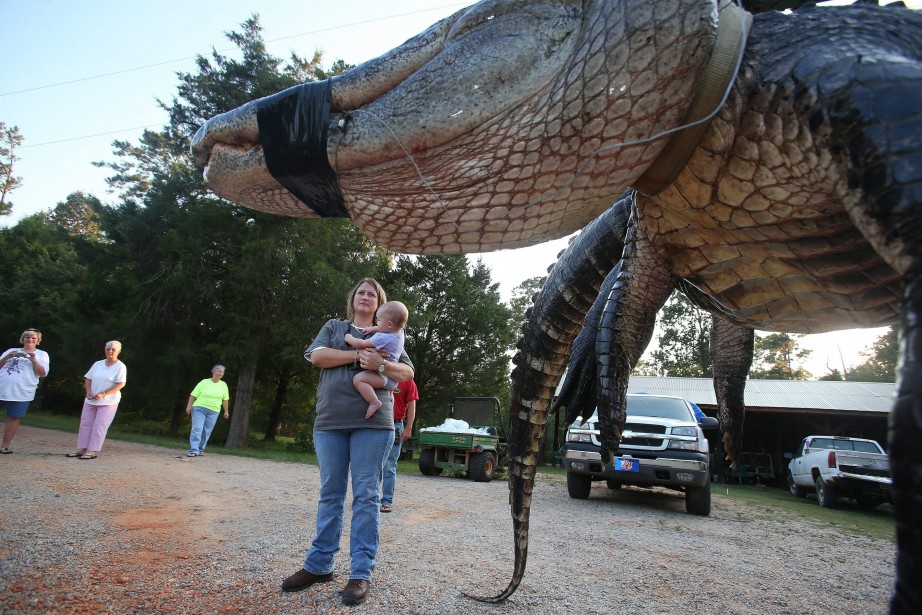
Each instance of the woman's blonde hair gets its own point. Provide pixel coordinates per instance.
(38, 336)
(382, 298)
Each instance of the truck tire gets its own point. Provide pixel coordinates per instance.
(578, 485)
(825, 495)
(482, 467)
(427, 463)
(613, 484)
(698, 500)
(796, 490)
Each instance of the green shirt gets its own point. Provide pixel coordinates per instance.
(209, 394)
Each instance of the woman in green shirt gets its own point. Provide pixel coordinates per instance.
(205, 403)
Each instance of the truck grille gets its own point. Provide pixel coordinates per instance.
(865, 471)
(644, 428)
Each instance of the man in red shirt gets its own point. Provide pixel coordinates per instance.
(405, 398)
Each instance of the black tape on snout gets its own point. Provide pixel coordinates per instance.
(293, 132)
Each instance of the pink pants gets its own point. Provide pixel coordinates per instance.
(94, 423)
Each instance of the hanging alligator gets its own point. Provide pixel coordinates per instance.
(776, 159)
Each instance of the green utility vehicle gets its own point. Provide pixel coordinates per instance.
(478, 455)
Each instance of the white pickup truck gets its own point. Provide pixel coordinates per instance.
(663, 446)
(840, 467)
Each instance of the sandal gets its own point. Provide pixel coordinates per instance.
(85, 456)
(74, 454)
(5, 451)
(386, 508)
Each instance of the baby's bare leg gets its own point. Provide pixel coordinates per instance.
(365, 383)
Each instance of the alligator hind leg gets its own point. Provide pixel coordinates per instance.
(732, 347)
(905, 435)
(876, 120)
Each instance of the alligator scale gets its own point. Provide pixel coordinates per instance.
(777, 162)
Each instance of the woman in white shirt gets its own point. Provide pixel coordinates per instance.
(103, 385)
(20, 369)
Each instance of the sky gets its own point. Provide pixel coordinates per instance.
(78, 75)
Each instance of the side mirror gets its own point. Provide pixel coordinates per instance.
(789, 456)
(709, 422)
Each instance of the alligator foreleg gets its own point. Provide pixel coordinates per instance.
(643, 285)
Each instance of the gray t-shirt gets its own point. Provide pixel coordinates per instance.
(339, 405)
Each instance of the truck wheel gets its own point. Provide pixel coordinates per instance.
(427, 463)
(826, 495)
(482, 467)
(613, 484)
(578, 486)
(698, 500)
(796, 490)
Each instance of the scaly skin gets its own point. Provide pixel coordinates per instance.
(553, 321)
(799, 211)
(611, 341)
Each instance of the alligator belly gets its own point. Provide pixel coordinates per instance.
(776, 278)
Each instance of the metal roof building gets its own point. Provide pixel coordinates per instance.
(802, 396)
(780, 413)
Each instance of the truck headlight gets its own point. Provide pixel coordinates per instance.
(579, 437)
(684, 431)
(683, 445)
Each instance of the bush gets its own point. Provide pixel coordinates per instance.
(143, 426)
(304, 439)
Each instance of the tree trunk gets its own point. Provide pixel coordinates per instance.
(275, 418)
(240, 419)
(179, 409)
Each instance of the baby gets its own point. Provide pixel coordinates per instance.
(388, 335)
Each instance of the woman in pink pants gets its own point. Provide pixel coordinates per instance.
(103, 385)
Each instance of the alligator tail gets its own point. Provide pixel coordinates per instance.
(552, 323)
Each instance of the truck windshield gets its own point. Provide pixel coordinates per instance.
(845, 445)
(662, 407)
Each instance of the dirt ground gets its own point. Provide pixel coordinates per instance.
(144, 529)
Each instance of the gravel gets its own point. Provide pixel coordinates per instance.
(145, 530)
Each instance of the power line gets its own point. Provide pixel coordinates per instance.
(98, 134)
(186, 59)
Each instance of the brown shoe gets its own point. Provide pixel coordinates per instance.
(303, 579)
(355, 591)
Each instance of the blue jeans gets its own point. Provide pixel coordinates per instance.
(389, 472)
(203, 421)
(340, 451)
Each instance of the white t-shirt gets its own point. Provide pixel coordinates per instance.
(103, 377)
(17, 377)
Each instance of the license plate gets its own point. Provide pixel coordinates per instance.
(624, 464)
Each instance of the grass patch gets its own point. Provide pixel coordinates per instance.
(779, 505)
(280, 450)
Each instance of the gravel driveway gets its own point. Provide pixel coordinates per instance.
(142, 530)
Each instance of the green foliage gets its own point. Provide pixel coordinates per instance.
(882, 359)
(775, 357)
(522, 296)
(459, 333)
(304, 438)
(684, 345)
(10, 141)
